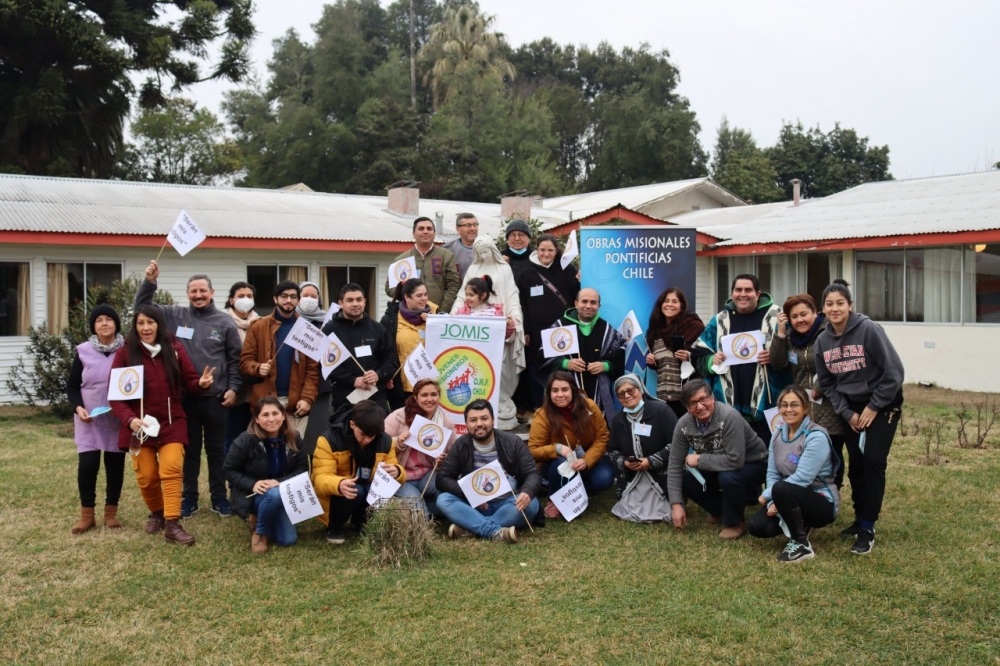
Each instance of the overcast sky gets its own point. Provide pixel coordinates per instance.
(921, 76)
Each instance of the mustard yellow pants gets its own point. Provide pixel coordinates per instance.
(160, 473)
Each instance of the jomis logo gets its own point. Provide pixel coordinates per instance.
(486, 482)
(332, 355)
(402, 271)
(430, 437)
(466, 375)
(561, 339)
(744, 346)
(776, 422)
(628, 330)
(128, 382)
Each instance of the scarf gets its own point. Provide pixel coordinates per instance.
(413, 316)
(799, 340)
(243, 325)
(107, 349)
(152, 349)
(276, 459)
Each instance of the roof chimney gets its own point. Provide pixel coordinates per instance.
(796, 191)
(515, 204)
(404, 197)
(439, 223)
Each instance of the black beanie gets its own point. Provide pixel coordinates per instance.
(104, 309)
(517, 225)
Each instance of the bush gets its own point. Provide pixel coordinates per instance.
(50, 355)
(397, 532)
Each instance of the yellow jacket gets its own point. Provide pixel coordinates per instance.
(542, 441)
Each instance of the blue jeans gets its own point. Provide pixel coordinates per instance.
(412, 489)
(489, 518)
(272, 520)
(727, 494)
(599, 477)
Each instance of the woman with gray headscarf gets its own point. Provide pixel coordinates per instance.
(638, 448)
(311, 307)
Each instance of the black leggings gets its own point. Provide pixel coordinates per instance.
(866, 471)
(816, 509)
(86, 477)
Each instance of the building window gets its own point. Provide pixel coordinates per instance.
(782, 275)
(821, 268)
(265, 278)
(15, 298)
(778, 275)
(879, 289)
(982, 284)
(69, 286)
(934, 285)
(333, 278)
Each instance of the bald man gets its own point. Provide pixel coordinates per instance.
(602, 351)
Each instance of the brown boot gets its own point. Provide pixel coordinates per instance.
(258, 544)
(176, 534)
(733, 532)
(111, 517)
(155, 522)
(86, 520)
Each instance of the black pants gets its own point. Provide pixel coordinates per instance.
(86, 477)
(728, 493)
(817, 510)
(866, 471)
(206, 421)
(838, 448)
(763, 431)
(342, 509)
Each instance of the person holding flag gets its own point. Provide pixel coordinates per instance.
(405, 319)
(154, 426)
(482, 446)
(435, 265)
(210, 339)
(276, 367)
(673, 329)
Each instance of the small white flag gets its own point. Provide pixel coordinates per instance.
(332, 310)
(185, 234)
(741, 348)
(630, 327)
(333, 355)
(299, 498)
(427, 437)
(308, 339)
(418, 365)
(773, 418)
(571, 499)
(560, 341)
(401, 271)
(126, 383)
(383, 486)
(571, 252)
(485, 484)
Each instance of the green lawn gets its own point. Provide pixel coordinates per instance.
(596, 590)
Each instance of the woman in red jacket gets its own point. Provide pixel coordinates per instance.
(155, 429)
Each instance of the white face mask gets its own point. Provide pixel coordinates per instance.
(308, 304)
(244, 304)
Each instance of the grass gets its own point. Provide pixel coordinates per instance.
(595, 590)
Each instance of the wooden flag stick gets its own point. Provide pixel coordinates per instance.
(363, 371)
(583, 387)
(436, 461)
(767, 385)
(527, 522)
(161, 250)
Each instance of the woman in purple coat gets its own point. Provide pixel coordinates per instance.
(96, 432)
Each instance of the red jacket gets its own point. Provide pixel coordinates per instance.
(160, 398)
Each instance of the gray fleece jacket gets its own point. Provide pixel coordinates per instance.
(215, 341)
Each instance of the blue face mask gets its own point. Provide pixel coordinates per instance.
(634, 409)
(521, 251)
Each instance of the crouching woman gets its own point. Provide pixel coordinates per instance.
(800, 491)
(258, 461)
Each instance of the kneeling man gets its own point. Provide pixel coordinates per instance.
(714, 439)
(497, 519)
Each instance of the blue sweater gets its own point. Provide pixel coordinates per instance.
(816, 462)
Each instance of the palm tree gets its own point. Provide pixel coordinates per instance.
(463, 51)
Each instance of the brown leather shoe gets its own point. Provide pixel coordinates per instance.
(258, 544)
(734, 532)
(155, 522)
(551, 510)
(86, 521)
(111, 517)
(176, 534)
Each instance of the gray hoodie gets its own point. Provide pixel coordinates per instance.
(859, 365)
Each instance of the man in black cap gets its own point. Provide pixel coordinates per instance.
(518, 251)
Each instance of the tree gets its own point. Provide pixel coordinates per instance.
(742, 168)
(179, 143)
(826, 163)
(66, 72)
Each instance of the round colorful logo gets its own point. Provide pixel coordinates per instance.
(332, 355)
(402, 271)
(128, 382)
(776, 422)
(465, 375)
(627, 330)
(744, 346)
(485, 481)
(430, 437)
(561, 339)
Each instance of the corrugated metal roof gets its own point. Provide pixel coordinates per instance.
(635, 198)
(942, 204)
(713, 217)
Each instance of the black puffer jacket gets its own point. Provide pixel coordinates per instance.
(514, 457)
(246, 464)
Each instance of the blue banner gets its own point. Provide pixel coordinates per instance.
(629, 266)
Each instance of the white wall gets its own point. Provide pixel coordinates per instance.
(224, 267)
(962, 357)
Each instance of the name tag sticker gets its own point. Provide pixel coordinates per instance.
(793, 358)
(536, 290)
(185, 333)
(363, 350)
(643, 429)
(423, 334)
(418, 272)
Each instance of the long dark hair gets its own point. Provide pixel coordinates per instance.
(658, 324)
(133, 345)
(410, 407)
(404, 289)
(578, 408)
(286, 430)
(481, 285)
(552, 239)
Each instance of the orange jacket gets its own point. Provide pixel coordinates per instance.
(259, 347)
(542, 441)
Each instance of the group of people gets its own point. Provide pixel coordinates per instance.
(226, 381)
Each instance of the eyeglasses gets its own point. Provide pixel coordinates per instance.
(789, 405)
(288, 297)
(704, 402)
(627, 393)
(474, 225)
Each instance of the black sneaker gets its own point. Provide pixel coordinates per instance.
(863, 544)
(222, 508)
(851, 530)
(335, 535)
(189, 507)
(796, 552)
